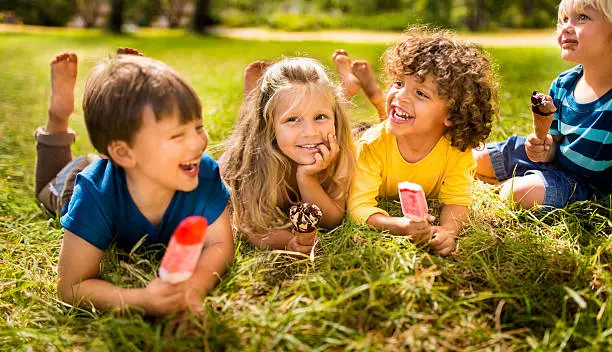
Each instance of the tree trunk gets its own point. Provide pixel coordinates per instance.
(477, 14)
(201, 16)
(116, 17)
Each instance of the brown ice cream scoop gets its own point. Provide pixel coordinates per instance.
(305, 217)
(542, 104)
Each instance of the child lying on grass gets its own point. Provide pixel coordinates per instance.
(439, 106)
(147, 122)
(292, 143)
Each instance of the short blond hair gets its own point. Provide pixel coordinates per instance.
(602, 6)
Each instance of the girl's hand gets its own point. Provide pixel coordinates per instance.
(323, 158)
(301, 246)
(444, 241)
(419, 230)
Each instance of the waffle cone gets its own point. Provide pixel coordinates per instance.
(305, 238)
(541, 125)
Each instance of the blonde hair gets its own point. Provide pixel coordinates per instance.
(602, 6)
(256, 170)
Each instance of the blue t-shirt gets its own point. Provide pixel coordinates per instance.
(586, 147)
(101, 209)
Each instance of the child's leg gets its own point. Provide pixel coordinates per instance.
(54, 140)
(349, 82)
(363, 71)
(526, 191)
(484, 168)
(252, 73)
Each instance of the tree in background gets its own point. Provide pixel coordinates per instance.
(143, 12)
(477, 14)
(116, 16)
(89, 11)
(202, 16)
(41, 12)
(174, 11)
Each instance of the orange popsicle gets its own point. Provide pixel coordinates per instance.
(413, 199)
(183, 250)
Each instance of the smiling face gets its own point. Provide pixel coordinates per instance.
(166, 154)
(415, 108)
(303, 118)
(583, 34)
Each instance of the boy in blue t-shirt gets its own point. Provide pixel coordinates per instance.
(574, 161)
(147, 122)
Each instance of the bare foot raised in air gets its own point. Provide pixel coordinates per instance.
(63, 79)
(128, 51)
(350, 83)
(252, 73)
(363, 72)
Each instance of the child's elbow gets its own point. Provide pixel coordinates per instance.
(66, 291)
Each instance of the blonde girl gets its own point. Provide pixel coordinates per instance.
(292, 143)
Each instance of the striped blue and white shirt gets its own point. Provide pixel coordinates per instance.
(586, 147)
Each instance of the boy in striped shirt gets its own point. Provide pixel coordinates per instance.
(573, 162)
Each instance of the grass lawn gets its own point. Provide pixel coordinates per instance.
(521, 280)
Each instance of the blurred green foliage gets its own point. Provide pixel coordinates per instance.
(387, 14)
(297, 15)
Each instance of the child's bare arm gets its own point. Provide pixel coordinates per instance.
(312, 192)
(452, 218)
(310, 186)
(279, 239)
(216, 257)
(419, 230)
(79, 267)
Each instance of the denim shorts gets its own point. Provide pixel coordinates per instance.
(509, 159)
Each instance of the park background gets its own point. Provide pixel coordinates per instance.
(520, 280)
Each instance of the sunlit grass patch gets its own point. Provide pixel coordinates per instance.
(519, 280)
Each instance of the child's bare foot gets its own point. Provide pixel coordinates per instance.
(252, 73)
(363, 71)
(128, 51)
(63, 80)
(350, 83)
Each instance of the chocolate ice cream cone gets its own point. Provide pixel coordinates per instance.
(305, 218)
(543, 109)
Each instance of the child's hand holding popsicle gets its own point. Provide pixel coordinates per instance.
(414, 206)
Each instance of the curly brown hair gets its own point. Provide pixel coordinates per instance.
(464, 75)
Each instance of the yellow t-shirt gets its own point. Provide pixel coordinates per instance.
(445, 173)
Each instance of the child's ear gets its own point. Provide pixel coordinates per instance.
(121, 153)
(448, 122)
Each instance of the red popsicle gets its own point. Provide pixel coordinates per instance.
(183, 250)
(413, 200)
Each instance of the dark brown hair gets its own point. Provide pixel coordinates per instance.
(117, 91)
(464, 76)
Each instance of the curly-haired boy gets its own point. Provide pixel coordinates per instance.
(440, 105)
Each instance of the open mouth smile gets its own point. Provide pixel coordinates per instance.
(191, 167)
(309, 146)
(400, 116)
